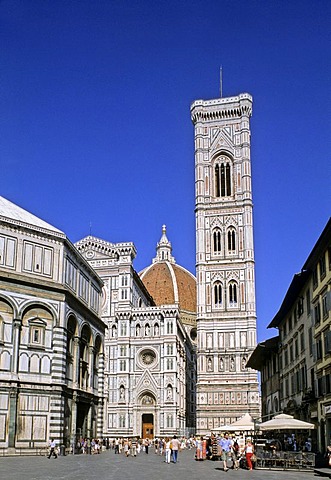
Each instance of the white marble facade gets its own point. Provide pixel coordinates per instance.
(51, 338)
(226, 314)
(148, 352)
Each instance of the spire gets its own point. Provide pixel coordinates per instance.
(164, 249)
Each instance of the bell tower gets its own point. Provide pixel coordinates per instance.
(226, 312)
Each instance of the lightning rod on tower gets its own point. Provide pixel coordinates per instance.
(221, 81)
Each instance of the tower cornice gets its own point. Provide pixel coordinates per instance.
(222, 108)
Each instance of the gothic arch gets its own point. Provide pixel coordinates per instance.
(72, 324)
(147, 399)
(98, 344)
(231, 239)
(217, 293)
(216, 240)
(233, 292)
(222, 165)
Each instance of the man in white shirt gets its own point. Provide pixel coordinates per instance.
(52, 445)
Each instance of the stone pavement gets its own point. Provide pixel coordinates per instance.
(107, 465)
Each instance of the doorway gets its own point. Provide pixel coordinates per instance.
(82, 427)
(147, 426)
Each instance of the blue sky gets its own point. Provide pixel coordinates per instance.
(95, 122)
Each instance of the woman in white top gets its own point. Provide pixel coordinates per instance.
(249, 450)
(167, 450)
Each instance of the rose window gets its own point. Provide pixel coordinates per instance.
(147, 357)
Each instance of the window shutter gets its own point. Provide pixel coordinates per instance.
(314, 352)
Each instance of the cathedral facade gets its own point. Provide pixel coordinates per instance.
(226, 313)
(150, 364)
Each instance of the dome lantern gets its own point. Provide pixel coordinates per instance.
(164, 249)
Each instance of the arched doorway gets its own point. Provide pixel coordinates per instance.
(147, 417)
(147, 426)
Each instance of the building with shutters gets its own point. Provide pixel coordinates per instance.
(302, 357)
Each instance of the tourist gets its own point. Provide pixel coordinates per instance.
(249, 450)
(117, 445)
(161, 446)
(167, 450)
(146, 445)
(52, 445)
(198, 445)
(235, 454)
(175, 447)
(138, 446)
(126, 447)
(225, 445)
(133, 447)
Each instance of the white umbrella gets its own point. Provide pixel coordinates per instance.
(244, 424)
(285, 422)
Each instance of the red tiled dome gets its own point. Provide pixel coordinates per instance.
(169, 283)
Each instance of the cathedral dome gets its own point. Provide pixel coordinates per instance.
(167, 282)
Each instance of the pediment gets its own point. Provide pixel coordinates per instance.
(216, 222)
(146, 383)
(222, 139)
(93, 248)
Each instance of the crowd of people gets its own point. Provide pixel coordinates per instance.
(232, 451)
(167, 447)
(229, 450)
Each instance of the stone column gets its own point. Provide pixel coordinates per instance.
(90, 368)
(73, 422)
(76, 365)
(12, 416)
(90, 432)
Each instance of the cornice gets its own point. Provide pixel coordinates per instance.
(221, 108)
(107, 248)
(32, 231)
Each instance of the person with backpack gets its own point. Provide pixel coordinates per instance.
(235, 454)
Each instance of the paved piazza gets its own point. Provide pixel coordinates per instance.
(110, 466)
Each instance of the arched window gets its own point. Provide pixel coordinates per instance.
(231, 240)
(71, 330)
(6, 316)
(84, 357)
(217, 240)
(233, 293)
(217, 294)
(223, 178)
(96, 362)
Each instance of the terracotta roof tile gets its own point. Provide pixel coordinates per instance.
(159, 280)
